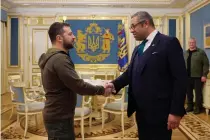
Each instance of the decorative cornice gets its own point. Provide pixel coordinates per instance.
(198, 6)
(4, 8)
(103, 3)
(195, 5)
(89, 11)
(5, 5)
(91, 1)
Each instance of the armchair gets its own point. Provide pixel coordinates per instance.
(83, 111)
(24, 106)
(118, 106)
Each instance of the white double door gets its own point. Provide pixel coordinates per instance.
(37, 42)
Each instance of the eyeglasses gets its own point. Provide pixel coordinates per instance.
(133, 26)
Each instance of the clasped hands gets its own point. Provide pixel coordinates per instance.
(109, 89)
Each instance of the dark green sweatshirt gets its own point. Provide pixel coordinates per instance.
(61, 84)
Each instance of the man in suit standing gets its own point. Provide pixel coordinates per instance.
(157, 80)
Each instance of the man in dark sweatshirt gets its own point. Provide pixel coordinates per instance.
(61, 84)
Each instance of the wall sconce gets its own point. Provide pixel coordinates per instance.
(64, 18)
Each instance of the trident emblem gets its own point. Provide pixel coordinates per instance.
(93, 42)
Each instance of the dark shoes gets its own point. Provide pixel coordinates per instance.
(189, 109)
(197, 111)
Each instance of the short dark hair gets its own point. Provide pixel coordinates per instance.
(143, 15)
(56, 29)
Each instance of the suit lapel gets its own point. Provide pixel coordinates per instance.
(134, 53)
(148, 53)
(132, 60)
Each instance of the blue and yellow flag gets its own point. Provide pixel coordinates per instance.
(122, 49)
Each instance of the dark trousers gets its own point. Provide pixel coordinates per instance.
(194, 83)
(60, 130)
(148, 131)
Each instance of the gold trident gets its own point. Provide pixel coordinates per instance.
(93, 43)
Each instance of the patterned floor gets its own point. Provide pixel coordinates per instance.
(5, 107)
(112, 130)
(195, 127)
(112, 126)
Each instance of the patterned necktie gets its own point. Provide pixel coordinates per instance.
(141, 47)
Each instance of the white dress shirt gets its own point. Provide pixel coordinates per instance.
(150, 38)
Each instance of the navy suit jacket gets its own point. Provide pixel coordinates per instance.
(163, 80)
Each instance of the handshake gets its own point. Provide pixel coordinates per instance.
(109, 89)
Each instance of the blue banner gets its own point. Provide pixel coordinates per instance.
(123, 49)
(96, 41)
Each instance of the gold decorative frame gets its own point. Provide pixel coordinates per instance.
(33, 48)
(39, 21)
(9, 40)
(35, 22)
(103, 17)
(205, 39)
(36, 70)
(34, 80)
(177, 25)
(95, 67)
(187, 18)
(201, 4)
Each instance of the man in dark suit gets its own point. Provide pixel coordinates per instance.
(157, 80)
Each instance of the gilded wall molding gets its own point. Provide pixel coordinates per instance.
(40, 32)
(187, 29)
(103, 3)
(196, 7)
(8, 50)
(38, 21)
(5, 5)
(36, 70)
(181, 31)
(106, 68)
(187, 14)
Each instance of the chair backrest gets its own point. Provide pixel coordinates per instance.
(13, 79)
(111, 75)
(18, 93)
(123, 100)
(38, 80)
(87, 75)
(79, 100)
(126, 94)
(100, 75)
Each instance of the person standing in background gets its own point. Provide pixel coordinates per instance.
(197, 64)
